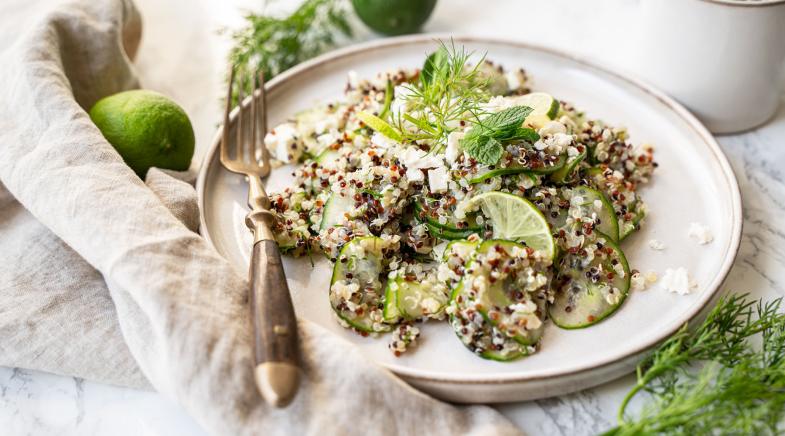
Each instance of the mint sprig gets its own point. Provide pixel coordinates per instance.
(484, 141)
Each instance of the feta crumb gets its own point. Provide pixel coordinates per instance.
(700, 233)
(656, 245)
(415, 175)
(453, 149)
(437, 179)
(677, 281)
(382, 141)
(552, 128)
(282, 143)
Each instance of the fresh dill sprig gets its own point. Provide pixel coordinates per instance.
(449, 89)
(274, 45)
(726, 377)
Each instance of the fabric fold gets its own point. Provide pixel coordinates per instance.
(89, 249)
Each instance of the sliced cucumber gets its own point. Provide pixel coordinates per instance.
(335, 210)
(419, 299)
(587, 294)
(479, 339)
(449, 235)
(626, 201)
(626, 228)
(565, 174)
(518, 169)
(460, 249)
(391, 313)
(423, 213)
(496, 304)
(608, 224)
(355, 287)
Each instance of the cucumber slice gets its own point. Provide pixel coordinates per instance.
(461, 249)
(626, 228)
(420, 299)
(391, 313)
(335, 210)
(518, 169)
(422, 213)
(449, 235)
(486, 341)
(625, 201)
(581, 301)
(497, 301)
(355, 288)
(608, 224)
(566, 173)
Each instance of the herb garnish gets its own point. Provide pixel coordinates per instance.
(449, 89)
(274, 45)
(484, 141)
(716, 379)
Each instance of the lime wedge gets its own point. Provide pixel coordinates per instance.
(379, 125)
(516, 219)
(544, 106)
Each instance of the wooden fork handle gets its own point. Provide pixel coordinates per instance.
(277, 359)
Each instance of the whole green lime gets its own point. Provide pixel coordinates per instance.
(147, 129)
(394, 17)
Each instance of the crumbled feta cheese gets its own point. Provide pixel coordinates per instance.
(325, 124)
(678, 281)
(700, 233)
(415, 175)
(552, 128)
(282, 143)
(515, 79)
(382, 141)
(352, 79)
(437, 179)
(453, 149)
(413, 157)
(656, 245)
(401, 93)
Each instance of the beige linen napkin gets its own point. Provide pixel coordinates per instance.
(102, 276)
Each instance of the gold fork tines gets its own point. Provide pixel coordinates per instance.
(276, 354)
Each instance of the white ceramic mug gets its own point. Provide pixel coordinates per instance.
(723, 59)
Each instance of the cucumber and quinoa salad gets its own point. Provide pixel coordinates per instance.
(454, 193)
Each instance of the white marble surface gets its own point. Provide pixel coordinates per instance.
(183, 55)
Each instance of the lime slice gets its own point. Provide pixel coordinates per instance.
(379, 125)
(516, 219)
(544, 106)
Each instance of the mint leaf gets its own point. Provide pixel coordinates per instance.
(483, 141)
(521, 133)
(506, 120)
(485, 149)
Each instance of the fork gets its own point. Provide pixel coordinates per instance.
(276, 355)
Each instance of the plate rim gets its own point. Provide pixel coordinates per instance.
(692, 122)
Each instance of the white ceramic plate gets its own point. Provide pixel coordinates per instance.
(693, 183)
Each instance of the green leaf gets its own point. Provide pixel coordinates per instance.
(485, 149)
(435, 63)
(483, 141)
(507, 119)
(521, 133)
